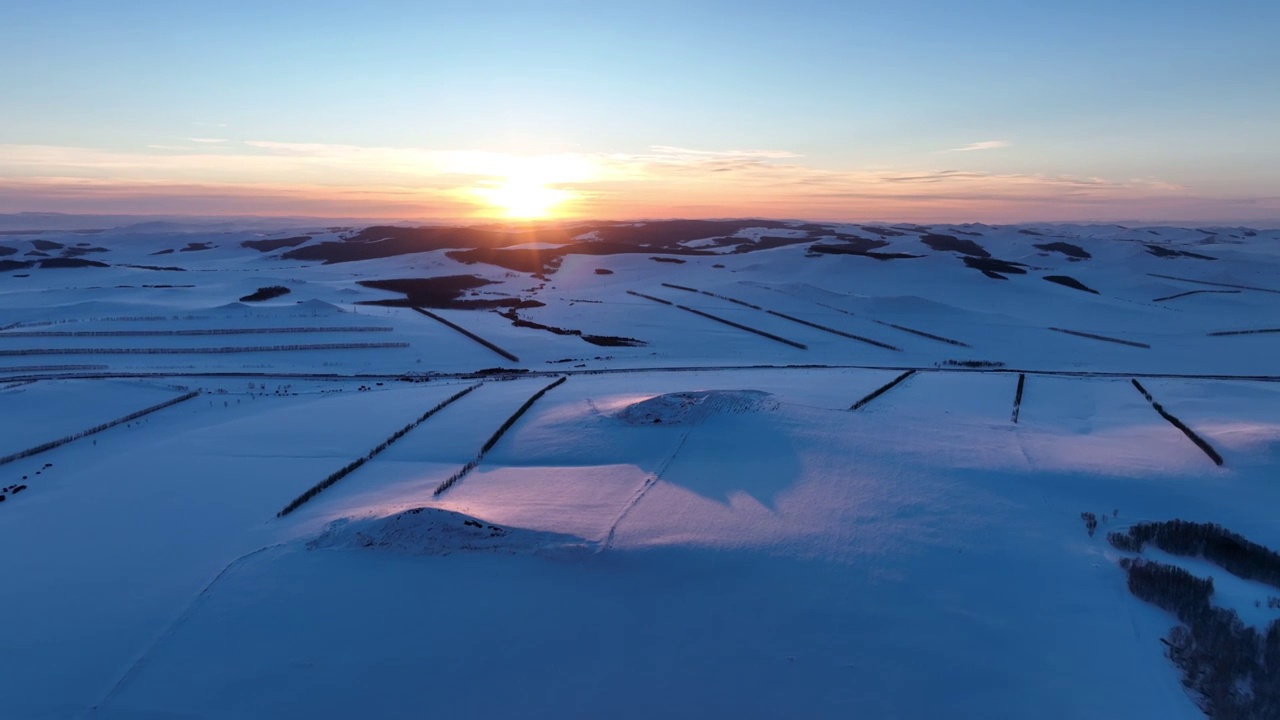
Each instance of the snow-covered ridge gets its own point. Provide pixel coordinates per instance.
(436, 531)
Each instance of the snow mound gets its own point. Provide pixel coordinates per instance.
(688, 408)
(435, 531)
(319, 306)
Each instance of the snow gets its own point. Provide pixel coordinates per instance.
(699, 526)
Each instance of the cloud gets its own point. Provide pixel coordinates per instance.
(671, 150)
(290, 178)
(984, 145)
(207, 140)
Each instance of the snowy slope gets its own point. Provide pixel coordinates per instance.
(694, 523)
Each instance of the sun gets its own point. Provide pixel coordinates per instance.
(531, 187)
(524, 199)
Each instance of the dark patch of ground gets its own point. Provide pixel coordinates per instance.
(196, 247)
(1071, 251)
(1070, 282)
(603, 271)
(275, 243)
(441, 292)
(537, 261)
(385, 241)
(169, 268)
(46, 245)
(486, 243)
(513, 315)
(37, 253)
(82, 250)
(266, 293)
(6, 250)
(1031, 232)
(882, 232)
(954, 244)
(10, 265)
(62, 263)
(992, 267)
(862, 244)
(677, 261)
(667, 234)
(845, 250)
(1164, 252)
(166, 251)
(768, 242)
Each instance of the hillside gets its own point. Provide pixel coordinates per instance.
(733, 468)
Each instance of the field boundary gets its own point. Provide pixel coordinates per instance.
(468, 333)
(650, 297)
(882, 390)
(495, 437)
(735, 301)
(1226, 333)
(833, 331)
(1017, 396)
(1191, 434)
(482, 374)
(748, 328)
(1103, 338)
(202, 351)
(1214, 284)
(354, 465)
(97, 428)
(190, 332)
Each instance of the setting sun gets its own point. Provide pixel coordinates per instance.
(524, 199)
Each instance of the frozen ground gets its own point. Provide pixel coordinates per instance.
(694, 526)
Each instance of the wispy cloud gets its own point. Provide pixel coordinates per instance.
(659, 181)
(984, 145)
(762, 154)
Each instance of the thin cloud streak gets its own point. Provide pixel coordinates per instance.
(984, 145)
(671, 150)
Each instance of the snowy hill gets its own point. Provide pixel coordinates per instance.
(828, 470)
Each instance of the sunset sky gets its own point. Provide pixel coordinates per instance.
(918, 111)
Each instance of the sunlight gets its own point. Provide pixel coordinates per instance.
(522, 199)
(526, 188)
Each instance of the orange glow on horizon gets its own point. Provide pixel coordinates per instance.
(518, 199)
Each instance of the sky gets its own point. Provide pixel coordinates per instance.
(925, 111)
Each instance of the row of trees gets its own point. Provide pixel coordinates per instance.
(202, 351)
(354, 465)
(497, 435)
(1231, 551)
(96, 429)
(194, 331)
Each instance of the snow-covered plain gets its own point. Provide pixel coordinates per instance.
(694, 525)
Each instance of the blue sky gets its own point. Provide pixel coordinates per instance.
(1175, 104)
